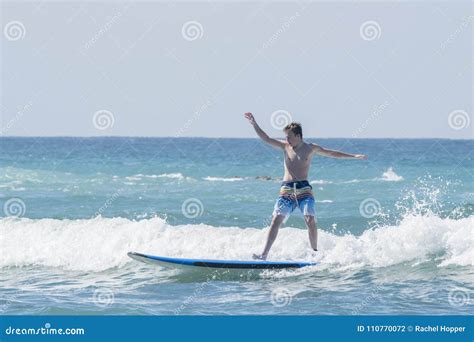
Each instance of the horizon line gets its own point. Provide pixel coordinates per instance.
(207, 137)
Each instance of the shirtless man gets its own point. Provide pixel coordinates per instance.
(295, 190)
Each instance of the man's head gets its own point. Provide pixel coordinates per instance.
(293, 133)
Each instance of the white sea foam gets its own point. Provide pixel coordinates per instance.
(136, 177)
(176, 175)
(141, 175)
(355, 181)
(387, 176)
(320, 181)
(102, 243)
(390, 176)
(223, 179)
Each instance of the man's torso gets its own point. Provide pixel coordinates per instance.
(297, 162)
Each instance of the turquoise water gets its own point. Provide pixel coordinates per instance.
(395, 231)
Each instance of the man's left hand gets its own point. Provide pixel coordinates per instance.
(360, 156)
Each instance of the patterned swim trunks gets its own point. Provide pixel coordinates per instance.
(295, 194)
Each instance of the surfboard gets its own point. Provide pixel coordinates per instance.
(210, 263)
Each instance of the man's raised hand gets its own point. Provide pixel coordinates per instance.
(250, 118)
(360, 156)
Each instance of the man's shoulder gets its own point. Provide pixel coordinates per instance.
(313, 148)
(314, 145)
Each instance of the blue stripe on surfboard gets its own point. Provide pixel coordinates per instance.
(223, 263)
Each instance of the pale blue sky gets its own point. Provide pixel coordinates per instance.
(342, 69)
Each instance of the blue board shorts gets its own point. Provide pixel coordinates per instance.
(295, 194)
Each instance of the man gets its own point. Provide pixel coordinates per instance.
(295, 190)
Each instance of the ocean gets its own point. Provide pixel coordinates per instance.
(396, 231)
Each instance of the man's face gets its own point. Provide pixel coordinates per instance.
(292, 139)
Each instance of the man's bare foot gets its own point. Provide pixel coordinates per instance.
(259, 257)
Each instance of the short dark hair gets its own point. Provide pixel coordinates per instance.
(295, 127)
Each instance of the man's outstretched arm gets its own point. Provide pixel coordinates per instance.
(335, 154)
(264, 136)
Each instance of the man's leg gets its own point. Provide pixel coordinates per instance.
(272, 234)
(312, 231)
